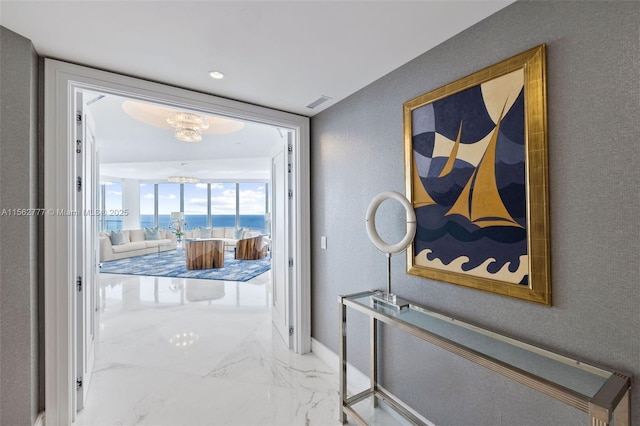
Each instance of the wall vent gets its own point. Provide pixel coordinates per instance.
(322, 99)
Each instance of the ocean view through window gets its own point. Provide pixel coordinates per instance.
(110, 198)
(255, 222)
(205, 205)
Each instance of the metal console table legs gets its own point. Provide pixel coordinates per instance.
(603, 394)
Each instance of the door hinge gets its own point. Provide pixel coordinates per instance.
(79, 117)
(78, 383)
(290, 331)
(290, 148)
(79, 183)
(289, 167)
(291, 262)
(79, 283)
(290, 194)
(78, 146)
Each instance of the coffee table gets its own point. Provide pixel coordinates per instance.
(204, 253)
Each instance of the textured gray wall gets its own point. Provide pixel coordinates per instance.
(594, 165)
(19, 382)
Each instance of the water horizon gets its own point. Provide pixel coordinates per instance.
(193, 221)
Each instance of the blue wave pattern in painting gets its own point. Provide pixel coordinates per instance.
(446, 225)
(255, 222)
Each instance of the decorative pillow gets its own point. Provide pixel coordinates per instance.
(151, 234)
(205, 233)
(134, 235)
(237, 233)
(117, 238)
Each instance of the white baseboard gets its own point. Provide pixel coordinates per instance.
(40, 420)
(357, 381)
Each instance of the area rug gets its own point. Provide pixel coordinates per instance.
(172, 264)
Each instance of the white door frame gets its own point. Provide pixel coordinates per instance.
(280, 278)
(86, 249)
(61, 81)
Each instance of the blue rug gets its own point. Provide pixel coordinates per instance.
(172, 264)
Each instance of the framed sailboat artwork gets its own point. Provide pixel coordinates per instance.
(476, 174)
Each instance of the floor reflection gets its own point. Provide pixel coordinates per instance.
(131, 292)
(173, 351)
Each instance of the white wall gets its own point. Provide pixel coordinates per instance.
(20, 357)
(594, 174)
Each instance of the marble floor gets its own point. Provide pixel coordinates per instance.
(200, 352)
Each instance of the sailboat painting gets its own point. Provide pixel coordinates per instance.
(468, 176)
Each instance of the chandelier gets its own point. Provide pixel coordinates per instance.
(188, 125)
(183, 179)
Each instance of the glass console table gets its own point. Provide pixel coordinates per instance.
(603, 394)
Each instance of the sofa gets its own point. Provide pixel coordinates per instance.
(229, 235)
(135, 242)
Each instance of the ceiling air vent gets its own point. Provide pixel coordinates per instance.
(320, 100)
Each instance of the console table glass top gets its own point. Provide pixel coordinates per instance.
(601, 393)
(571, 374)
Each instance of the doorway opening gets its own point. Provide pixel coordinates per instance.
(148, 174)
(62, 83)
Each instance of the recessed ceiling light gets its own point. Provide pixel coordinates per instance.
(216, 74)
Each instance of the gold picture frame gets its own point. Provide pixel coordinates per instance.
(476, 175)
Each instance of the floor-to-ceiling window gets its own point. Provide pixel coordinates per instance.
(195, 205)
(252, 208)
(110, 201)
(169, 200)
(218, 204)
(223, 204)
(147, 205)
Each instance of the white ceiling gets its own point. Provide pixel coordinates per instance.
(278, 54)
(129, 148)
